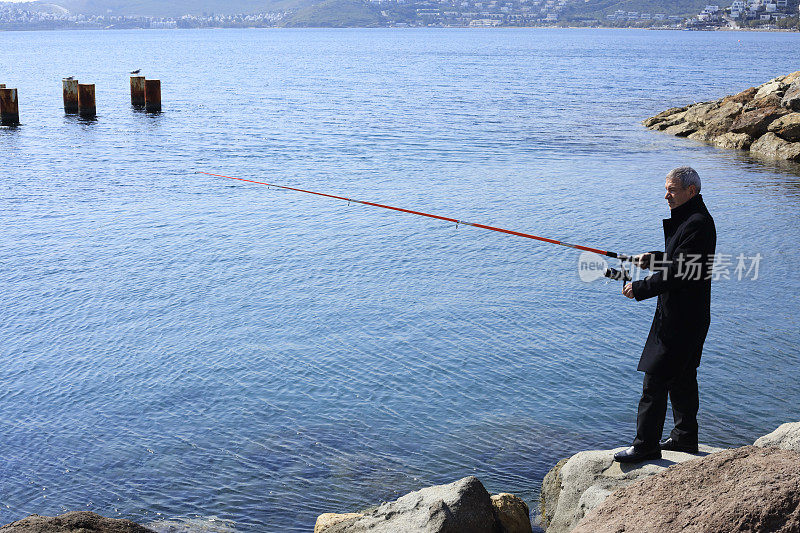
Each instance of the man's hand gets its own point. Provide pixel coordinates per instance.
(643, 260)
(627, 290)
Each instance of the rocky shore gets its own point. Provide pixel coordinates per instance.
(764, 120)
(751, 488)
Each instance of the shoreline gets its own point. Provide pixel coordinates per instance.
(468, 27)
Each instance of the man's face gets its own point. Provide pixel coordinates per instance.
(676, 194)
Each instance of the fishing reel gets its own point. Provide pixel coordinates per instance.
(619, 274)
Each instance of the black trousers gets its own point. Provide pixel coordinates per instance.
(683, 394)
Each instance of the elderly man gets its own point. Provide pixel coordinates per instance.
(671, 355)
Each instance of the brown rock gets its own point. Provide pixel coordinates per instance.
(770, 100)
(740, 490)
(73, 522)
(326, 520)
(671, 121)
(664, 115)
(682, 130)
(702, 136)
(773, 147)
(742, 97)
(720, 120)
(699, 113)
(791, 78)
(791, 99)
(787, 127)
(512, 512)
(755, 123)
(736, 141)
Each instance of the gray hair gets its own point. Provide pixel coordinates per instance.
(686, 175)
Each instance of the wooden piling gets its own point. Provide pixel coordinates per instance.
(70, 96)
(152, 90)
(86, 105)
(9, 107)
(137, 91)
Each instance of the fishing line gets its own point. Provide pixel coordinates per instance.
(609, 272)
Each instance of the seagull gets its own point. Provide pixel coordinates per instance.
(70, 78)
(137, 71)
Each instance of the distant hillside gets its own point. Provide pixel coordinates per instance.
(337, 14)
(598, 9)
(176, 8)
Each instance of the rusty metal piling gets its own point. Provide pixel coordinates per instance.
(9, 107)
(86, 105)
(152, 90)
(70, 96)
(137, 91)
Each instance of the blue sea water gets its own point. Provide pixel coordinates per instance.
(175, 346)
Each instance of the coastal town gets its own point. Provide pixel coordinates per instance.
(739, 15)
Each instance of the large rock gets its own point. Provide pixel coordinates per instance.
(791, 99)
(773, 147)
(463, 507)
(512, 512)
(744, 489)
(755, 122)
(787, 437)
(741, 98)
(775, 86)
(579, 484)
(661, 117)
(699, 113)
(787, 127)
(720, 120)
(73, 522)
(683, 129)
(737, 141)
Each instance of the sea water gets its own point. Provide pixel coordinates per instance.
(180, 347)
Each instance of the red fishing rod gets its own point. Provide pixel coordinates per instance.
(609, 272)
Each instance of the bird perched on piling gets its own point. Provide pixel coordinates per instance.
(70, 78)
(137, 71)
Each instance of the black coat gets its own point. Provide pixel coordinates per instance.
(681, 280)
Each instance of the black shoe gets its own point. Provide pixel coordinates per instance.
(633, 455)
(672, 446)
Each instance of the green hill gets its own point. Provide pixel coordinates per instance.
(337, 14)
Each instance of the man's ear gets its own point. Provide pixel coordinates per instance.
(693, 190)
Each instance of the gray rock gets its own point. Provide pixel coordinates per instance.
(787, 437)
(791, 99)
(736, 141)
(581, 483)
(787, 127)
(773, 147)
(460, 507)
(771, 87)
(73, 522)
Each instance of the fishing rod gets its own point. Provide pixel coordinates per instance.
(612, 273)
